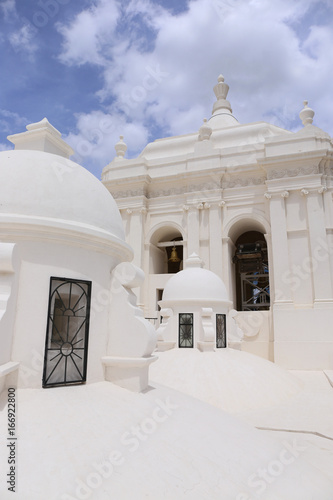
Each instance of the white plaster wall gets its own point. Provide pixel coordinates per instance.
(303, 337)
(39, 263)
(258, 335)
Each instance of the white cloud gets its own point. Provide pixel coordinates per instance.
(22, 40)
(11, 122)
(159, 68)
(8, 8)
(88, 36)
(97, 133)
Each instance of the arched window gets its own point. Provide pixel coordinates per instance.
(252, 273)
(66, 346)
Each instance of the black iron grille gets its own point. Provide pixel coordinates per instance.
(66, 346)
(185, 330)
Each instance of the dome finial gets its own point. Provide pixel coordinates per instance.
(194, 261)
(205, 131)
(120, 148)
(221, 90)
(307, 114)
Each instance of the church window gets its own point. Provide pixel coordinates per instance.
(66, 346)
(185, 330)
(221, 334)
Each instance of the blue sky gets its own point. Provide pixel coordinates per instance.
(145, 68)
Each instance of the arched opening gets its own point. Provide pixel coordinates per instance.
(66, 345)
(166, 251)
(251, 272)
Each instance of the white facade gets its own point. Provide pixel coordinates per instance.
(202, 191)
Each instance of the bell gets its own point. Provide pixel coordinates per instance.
(174, 257)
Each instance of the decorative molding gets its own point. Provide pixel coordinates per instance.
(129, 211)
(285, 194)
(186, 208)
(192, 188)
(200, 206)
(243, 181)
(292, 172)
(129, 193)
(268, 196)
(322, 190)
(166, 192)
(222, 204)
(304, 192)
(206, 205)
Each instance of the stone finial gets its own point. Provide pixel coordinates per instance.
(205, 131)
(120, 148)
(193, 261)
(307, 114)
(221, 90)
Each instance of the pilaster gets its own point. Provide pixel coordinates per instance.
(193, 228)
(215, 238)
(319, 261)
(280, 264)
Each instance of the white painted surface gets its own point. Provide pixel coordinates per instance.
(186, 449)
(229, 379)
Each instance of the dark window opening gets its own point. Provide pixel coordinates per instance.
(185, 330)
(221, 331)
(66, 345)
(252, 274)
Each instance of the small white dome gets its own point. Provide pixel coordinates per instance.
(56, 191)
(195, 283)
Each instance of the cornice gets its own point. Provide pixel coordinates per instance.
(16, 228)
(309, 181)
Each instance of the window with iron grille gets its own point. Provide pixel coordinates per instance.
(66, 345)
(252, 272)
(221, 333)
(185, 330)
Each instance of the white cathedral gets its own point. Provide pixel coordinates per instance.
(254, 202)
(204, 369)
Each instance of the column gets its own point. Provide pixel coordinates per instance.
(215, 239)
(228, 268)
(193, 231)
(280, 265)
(137, 226)
(319, 262)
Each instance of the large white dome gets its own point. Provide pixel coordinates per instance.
(195, 283)
(50, 189)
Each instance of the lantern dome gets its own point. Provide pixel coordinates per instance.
(195, 283)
